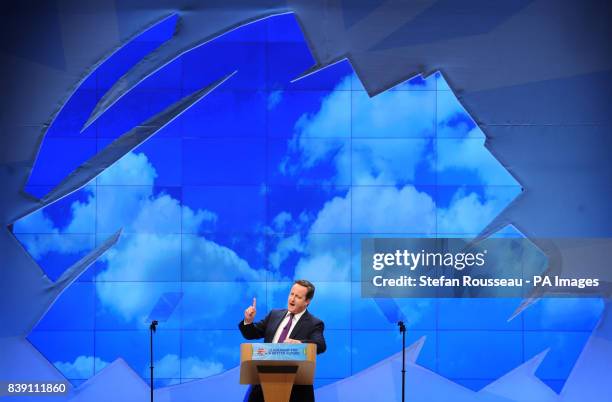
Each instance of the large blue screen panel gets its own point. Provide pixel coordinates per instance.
(265, 180)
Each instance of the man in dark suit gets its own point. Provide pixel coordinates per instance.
(291, 325)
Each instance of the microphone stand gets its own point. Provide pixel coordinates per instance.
(152, 329)
(402, 329)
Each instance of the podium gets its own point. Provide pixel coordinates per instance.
(277, 366)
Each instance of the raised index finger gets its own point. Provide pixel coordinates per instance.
(254, 302)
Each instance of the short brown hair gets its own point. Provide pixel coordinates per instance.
(306, 284)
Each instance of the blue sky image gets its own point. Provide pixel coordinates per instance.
(263, 181)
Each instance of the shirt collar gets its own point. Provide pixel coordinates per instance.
(297, 316)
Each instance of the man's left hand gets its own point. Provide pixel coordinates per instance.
(289, 340)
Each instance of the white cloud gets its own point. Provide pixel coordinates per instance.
(274, 99)
(375, 210)
(83, 215)
(82, 219)
(193, 220)
(332, 120)
(132, 169)
(151, 248)
(471, 154)
(448, 107)
(452, 117)
(334, 216)
(39, 234)
(388, 161)
(207, 260)
(565, 313)
(321, 266)
(38, 245)
(170, 366)
(404, 119)
(392, 210)
(160, 214)
(461, 146)
(400, 122)
(386, 165)
(141, 257)
(192, 367)
(394, 114)
(314, 150)
(81, 368)
(466, 214)
(146, 257)
(131, 301)
(37, 222)
(284, 249)
(280, 221)
(470, 213)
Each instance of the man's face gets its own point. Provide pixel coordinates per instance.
(296, 302)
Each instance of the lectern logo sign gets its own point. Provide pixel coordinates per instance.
(279, 351)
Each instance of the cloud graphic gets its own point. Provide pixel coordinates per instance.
(375, 210)
(383, 199)
(192, 367)
(38, 245)
(132, 169)
(388, 161)
(469, 212)
(401, 121)
(153, 253)
(81, 368)
(40, 235)
(274, 99)
(38, 222)
(470, 154)
(171, 366)
(212, 262)
(284, 248)
(151, 248)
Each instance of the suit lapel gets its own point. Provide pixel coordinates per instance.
(300, 324)
(277, 322)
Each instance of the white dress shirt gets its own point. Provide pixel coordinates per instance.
(295, 320)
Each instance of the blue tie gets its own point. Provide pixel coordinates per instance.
(285, 330)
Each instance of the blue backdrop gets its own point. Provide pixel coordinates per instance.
(263, 181)
(320, 127)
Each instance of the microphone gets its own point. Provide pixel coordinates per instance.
(402, 329)
(153, 325)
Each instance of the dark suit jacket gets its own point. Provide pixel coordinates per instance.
(309, 329)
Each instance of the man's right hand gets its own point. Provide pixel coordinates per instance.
(249, 313)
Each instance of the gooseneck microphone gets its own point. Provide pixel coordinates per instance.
(152, 329)
(402, 329)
